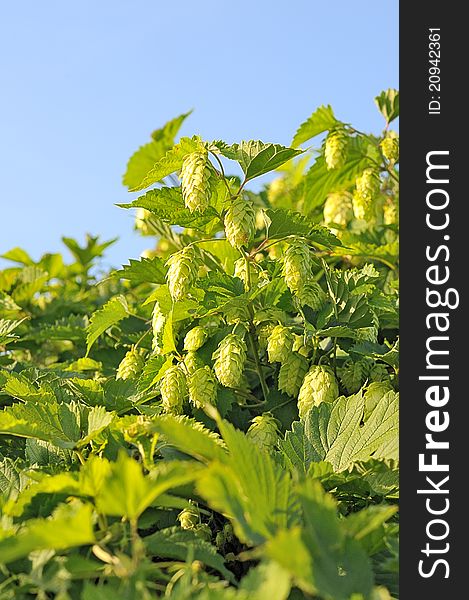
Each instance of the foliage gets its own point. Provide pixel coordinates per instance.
(217, 418)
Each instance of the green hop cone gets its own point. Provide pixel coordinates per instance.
(335, 149)
(390, 147)
(195, 338)
(278, 188)
(338, 209)
(158, 321)
(297, 265)
(367, 187)
(173, 388)
(230, 357)
(319, 385)
(311, 294)
(264, 331)
(390, 212)
(192, 362)
(181, 273)
(189, 518)
(202, 387)
(279, 344)
(130, 366)
(241, 271)
(195, 186)
(240, 222)
(141, 221)
(263, 431)
(354, 374)
(292, 373)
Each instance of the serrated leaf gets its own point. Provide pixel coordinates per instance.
(388, 104)
(18, 255)
(321, 120)
(267, 580)
(145, 270)
(111, 313)
(257, 158)
(286, 222)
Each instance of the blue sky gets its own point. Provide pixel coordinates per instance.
(84, 82)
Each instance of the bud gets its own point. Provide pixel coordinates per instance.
(390, 147)
(311, 294)
(195, 186)
(297, 265)
(279, 344)
(181, 273)
(192, 362)
(230, 357)
(195, 338)
(292, 373)
(189, 517)
(130, 366)
(318, 386)
(335, 149)
(338, 209)
(240, 222)
(202, 387)
(157, 325)
(173, 390)
(263, 432)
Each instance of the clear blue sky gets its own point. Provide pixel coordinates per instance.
(86, 81)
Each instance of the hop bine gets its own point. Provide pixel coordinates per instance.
(130, 366)
(202, 387)
(181, 273)
(264, 431)
(173, 390)
(230, 357)
(195, 185)
(240, 222)
(335, 149)
(319, 385)
(279, 344)
(297, 265)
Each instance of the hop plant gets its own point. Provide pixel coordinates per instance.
(354, 374)
(240, 222)
(263, 431)
(335, 149)
(230, 357)
(195, 338)
(279, 344)
(130, 366)
(311, 294)
(189, 518)
(297, 265)
(192, 362)
(173, 388)
(158, 321)
(202, 387)
(195, 185)
(181, 273)
(319, 385)
(390, 147)
(338, 209)
(292, 373)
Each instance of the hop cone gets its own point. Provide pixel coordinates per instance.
(240, 222)
(390, 212)
(202, 387)
(311, 294)
(157, 325)
(338, 209)
(263, 333)
(292, 373)
(130, 366)
(300, 346)
(354, 374)
(195, 338)
(367, 187)
(390, 147)
(297, 265)
(181, 273)
(230, 357)
(173, 390)
(318, 386)
(279, 344)
(195, 175)
(192, 362)
(240, 270)
(189, 517)
(141, 222)
(277, 189)
(263, 431)
(335, 149)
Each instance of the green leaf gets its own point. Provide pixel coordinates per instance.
(145, 270)
(321, 120)
(174, 543)
(6, 331)
(69, 526)
(257, 158)
(86, 254)
(111, 313)
(284, 223)
(146, 156)
(169, 163)
(18, 255)
(388, 104)
(267, 580)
